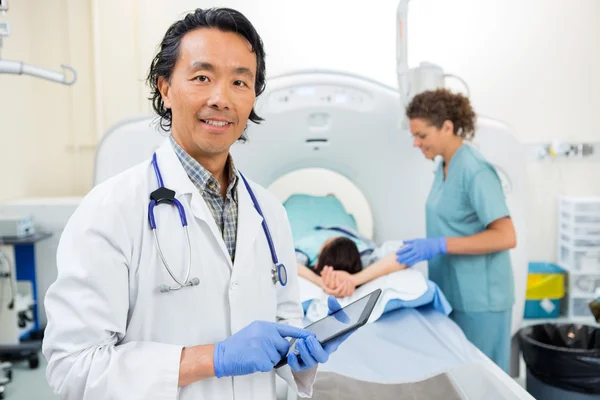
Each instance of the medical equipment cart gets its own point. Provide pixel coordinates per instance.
(29, 341)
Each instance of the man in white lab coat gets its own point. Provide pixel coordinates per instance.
(138, 316)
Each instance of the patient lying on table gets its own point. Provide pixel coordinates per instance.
(340, 266)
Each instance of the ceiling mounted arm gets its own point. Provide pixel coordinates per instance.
(401, 50)
(425, 76)
(20, 68)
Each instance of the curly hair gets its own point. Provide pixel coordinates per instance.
(224, 19)
(437, 106)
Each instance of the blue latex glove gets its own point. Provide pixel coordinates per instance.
(418, 250)
(310, 350)
(257, 347)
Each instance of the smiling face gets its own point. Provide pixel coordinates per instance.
(211, 91)
(431, 140)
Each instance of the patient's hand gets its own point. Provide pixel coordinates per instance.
(337, 283)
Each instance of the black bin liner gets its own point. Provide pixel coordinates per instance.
(566, 356)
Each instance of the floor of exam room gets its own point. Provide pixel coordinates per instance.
(28, 384)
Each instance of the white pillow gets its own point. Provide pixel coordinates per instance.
(407, 284)
(308, 290)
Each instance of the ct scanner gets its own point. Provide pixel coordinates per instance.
(350, 125)
(353, 126)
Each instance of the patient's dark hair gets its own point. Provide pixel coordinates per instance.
(223, 19)
(341, 254)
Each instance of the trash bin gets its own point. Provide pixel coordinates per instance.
(563, 361)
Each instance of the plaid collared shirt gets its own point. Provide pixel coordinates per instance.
(224, 211)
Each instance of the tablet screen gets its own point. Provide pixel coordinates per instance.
(349, 318)
(339, 321)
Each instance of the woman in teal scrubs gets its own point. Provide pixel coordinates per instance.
(469, 230)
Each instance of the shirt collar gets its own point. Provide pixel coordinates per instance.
(201, 177)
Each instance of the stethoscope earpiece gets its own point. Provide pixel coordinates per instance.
(164, 288)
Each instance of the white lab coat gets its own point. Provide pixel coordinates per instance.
(112, 335)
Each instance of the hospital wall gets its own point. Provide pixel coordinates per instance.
(46, 129)
(531, 64)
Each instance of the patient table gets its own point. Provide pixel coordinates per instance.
(423, 350)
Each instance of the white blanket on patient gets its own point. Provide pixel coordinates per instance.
(406, 284)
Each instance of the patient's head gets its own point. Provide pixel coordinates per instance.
(340, 253)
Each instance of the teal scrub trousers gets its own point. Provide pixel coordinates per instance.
(489, 332)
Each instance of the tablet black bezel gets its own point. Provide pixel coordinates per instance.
(364, 317)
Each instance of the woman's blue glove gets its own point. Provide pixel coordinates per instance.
(418, 250)
(310, 350)
(257, 347)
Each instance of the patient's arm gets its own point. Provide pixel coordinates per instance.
(341, 283)
(383, 266)
(309, 274)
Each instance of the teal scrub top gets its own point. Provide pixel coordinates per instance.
(464, 204)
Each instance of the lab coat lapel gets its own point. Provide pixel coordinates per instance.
(175, 178)
(201, 211)
(249, 224)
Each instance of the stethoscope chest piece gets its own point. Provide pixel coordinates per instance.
(280, 274)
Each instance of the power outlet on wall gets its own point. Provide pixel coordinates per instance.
(4, 29)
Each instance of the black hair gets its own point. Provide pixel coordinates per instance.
(341, 254)
(224, 19)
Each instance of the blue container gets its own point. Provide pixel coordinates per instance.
(545, 289)
(544, 268)
(547, 308)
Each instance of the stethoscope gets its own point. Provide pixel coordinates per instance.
(165, 195)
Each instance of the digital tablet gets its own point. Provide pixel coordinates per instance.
(341, 322)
